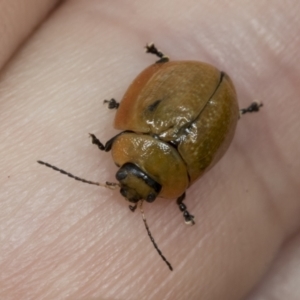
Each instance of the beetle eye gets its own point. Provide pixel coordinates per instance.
(151, 197)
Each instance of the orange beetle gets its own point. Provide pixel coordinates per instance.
(177, 120)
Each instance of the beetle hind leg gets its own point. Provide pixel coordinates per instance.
(188, 218)
(150, 48)
(253, 107)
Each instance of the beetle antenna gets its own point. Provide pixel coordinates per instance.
(151, 237)
(109, 185)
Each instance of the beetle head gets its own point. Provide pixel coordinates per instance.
(136, 184)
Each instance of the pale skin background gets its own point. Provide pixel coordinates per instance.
(61, 239)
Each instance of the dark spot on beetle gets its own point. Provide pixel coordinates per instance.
(154, 105)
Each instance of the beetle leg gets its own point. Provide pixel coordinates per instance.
(112, 103)
(133, 207)
(253, 107)
(150, 48)
(102, 147)
(188, 218)
(108, 145)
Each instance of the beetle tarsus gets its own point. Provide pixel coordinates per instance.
(106, 147)
(150, 48)
(188, 218)
(253, 107)
(133, 207)
(97, 142)
(112, 103)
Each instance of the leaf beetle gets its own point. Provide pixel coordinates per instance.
(177, 119)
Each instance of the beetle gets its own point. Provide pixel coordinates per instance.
(177, 119)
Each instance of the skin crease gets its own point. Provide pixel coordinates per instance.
(61, 239)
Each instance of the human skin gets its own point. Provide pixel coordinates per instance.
(61, 239)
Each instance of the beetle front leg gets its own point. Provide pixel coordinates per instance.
(150, 48)
(106, 147)
(109, 143)
(112, 103)
(253, 107)
(188, 218)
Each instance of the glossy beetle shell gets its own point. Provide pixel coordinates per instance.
(157, 159)
(183, 116)
(177, 120)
